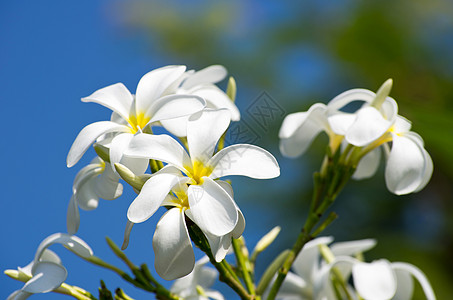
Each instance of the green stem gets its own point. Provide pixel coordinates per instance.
(241, 261)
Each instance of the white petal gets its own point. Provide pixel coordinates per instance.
(216, 98)
(240, 225)
(294, 287)
(174, 106)
(86, 196)
(72, 242)
(368, 127)
(47, 276)
(402, 125)
(116, 97)
(107, 184)
(204, 129)
(214, 295)
(172, 246)
(404, 285)
(389, 109)
(418, 274)
(176, 126)
(153, 193)
(299, 130)
(152, 85)
(19, 295)
(87, 137)
(127, 233)
(227, 187)
(72, 217)
(306, 262)
(341, 122)
(211, 74)
(352, 247)
(119, 144)
(137, 165)
(219, 245)
(374, 281)
(405, 166)
(368, 165)
(161, 147)
(245, 160)
(349, 96)
(212, 209)
(429, 168)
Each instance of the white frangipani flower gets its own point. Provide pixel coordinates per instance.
(201, 83)
(308, 281)
(131, 114)
(94, 181)
(209, 204)
(409, 166)
(195, 286)
(300, 129)
(46, 272)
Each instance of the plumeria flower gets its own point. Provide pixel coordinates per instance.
(201, 83)
(383, 280)
(208, 203)
(46, 272)
(308, 280)
(94, 181)
(300, 129)
(377, 123)
(133, 114)
(196, 285)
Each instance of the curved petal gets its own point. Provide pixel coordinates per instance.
(116, 97)
(299, 130)
(374, 281)
(153, 193)
(368, 165)
(216, 98)
(349, 96)
(211, 74)
(352, 247)
(137, 165)
(405, 166)
(119, 144)
(240, 226)
(47, 276)
(176, 126)
(211, 208)
(294, 286)
(402, 125)
(340, 122)
(368, 127)
(204, 130)
(245, 160)
(227, 187)
(87, 137)
(107, 184)
(219, 245)
(161, 147)
(389, 109)
(72, 242)
(306, 262)
(429, 168)
(172, 246)
(418, 274)
(127, 233)
(86, 196)
(152, 85)
(175, 106)
(19, 295)
(72, 217)
(404, 285)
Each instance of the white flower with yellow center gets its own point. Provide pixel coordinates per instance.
(201, 83)
(132, 115)
(208, 204)
(46, 272)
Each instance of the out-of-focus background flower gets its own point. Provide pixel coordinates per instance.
(285, 56)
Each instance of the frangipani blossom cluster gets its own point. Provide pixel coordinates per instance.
(183, 171)
(368, 131)
(318, 269)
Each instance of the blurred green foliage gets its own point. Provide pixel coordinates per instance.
(302, 52)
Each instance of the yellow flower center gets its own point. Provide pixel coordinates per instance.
(183, 199)
(138, 121)
(199, 170)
